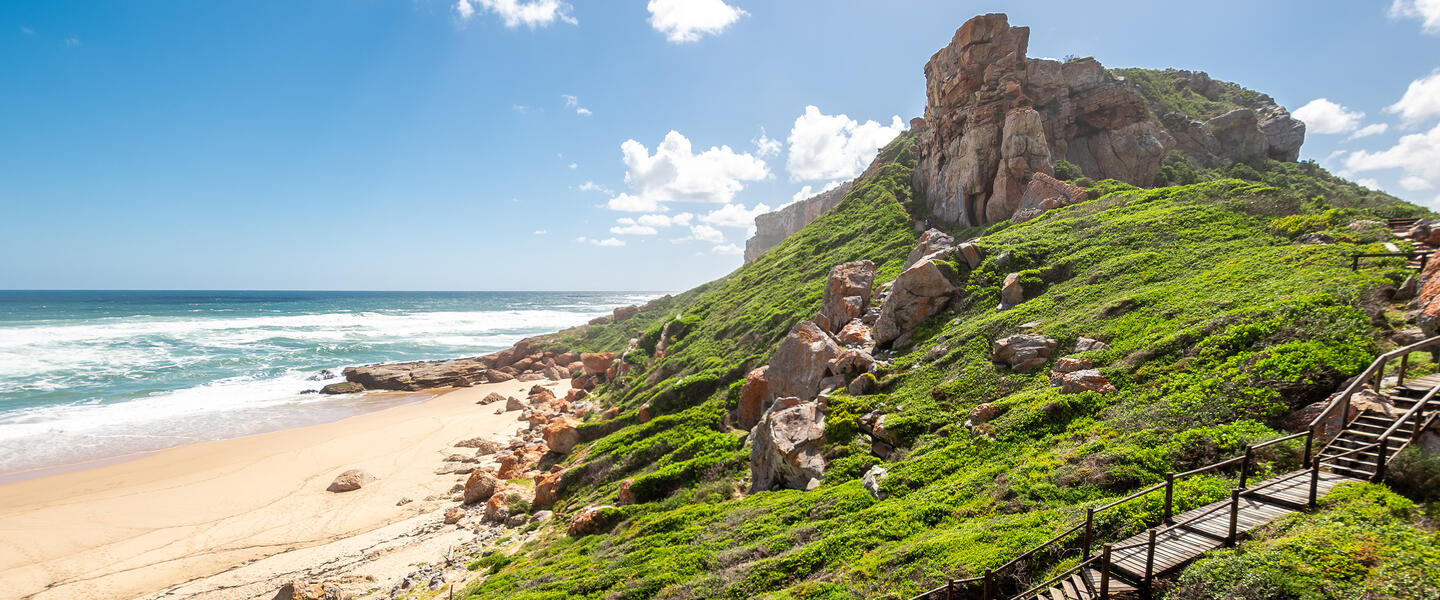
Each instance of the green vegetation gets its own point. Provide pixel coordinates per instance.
(1219, 325)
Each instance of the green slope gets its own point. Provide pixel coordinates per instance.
(1219, 325)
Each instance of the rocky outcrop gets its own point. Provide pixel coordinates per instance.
(996, 120)
(1022, 352)
(847, 294)
(920, 292)
(932, 243)
(786, 450)
(1085, 380)
(1427, 299)
(772, 228)
(753, 395)
(592, 519)
(414, 376)
(480, 486)
(347, 387)
(350, 481)
(800, 362)
(1045, 193)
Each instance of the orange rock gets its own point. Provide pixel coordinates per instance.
(576, 395)
(595, 363)
(644, 413)
(560, 434)
(496, 509)
(547, 488)
(752, 397)
(626, 496)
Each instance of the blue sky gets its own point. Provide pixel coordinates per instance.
(498, 144)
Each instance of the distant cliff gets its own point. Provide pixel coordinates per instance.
(773, 227)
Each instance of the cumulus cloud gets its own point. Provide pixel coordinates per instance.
(1323, 116)
(706, 233)
(608, 242)
(765, 146)
(591, 186)
(1369, 130)
(689, 20)
(675, 173)
(1415, 184)
(680, 220)
(835, 146)
(727, 249)
(514, 13)
(628, 226)
(1427, 11)
(735, 215)
(574, 165)
(541, 231)
(573, 103)
(1418, 155)
(1369, 183)
(1421, 100)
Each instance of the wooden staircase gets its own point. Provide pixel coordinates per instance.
(1354, 448)
(1400, 228)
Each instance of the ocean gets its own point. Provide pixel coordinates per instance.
(96, 376)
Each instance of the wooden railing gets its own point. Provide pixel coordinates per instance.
(1423, 255)
(957, 589)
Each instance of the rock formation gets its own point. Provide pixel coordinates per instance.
(1023, 352)
(350, 481)
(786, 450)
(920, 292)
(773, 227)
(847, 294)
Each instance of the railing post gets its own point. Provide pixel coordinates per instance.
(1380, 459)
(989, 584)
(1234, 516)
(1314, 480)
(1150, 561)
(1380, 375)
(1309, 445)
(1355, 262)
(1089, 530)
(1169, 496)
(950, 590)
(1105, 574)
(1245, 465)
(1404, 364)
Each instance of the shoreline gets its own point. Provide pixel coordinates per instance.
(152, 522)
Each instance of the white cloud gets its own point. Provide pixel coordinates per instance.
(735, 215)
(681, 220)
(689, 20)
(1415, 184)
(520, 108)
(765, 146)
(1323, 116)
(1421, 100)
(514, 13)
(574, 165)
(628, 226)
(706, 233)
(1428, 11)
(1417, 154)
(727, 249)
(807, 192)
(1369, 130)
(1369, 183)
(835, 146)
(608, 242)
(591, 186)
(573, 103)
(541, 232)
(675, 173)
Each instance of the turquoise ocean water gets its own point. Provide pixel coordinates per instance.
(94, 376)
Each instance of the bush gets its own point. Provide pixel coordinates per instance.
(1067, 171)
(1415, 472)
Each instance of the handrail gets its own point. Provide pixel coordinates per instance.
(1210, 467)
(1133, 496)
(1350, 451)
(1406, 417)
(1361, 379)
(1033, 551)
(1279, 440)
(1052, 580)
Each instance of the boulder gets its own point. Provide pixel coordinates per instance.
(644, 413)
(512, 403)
(542, 516)
(412, 376)
(596, 363)
(920, 292)
(625, 312)
(497, 509)
(800, 362)
(1085, 344)
(851, 361)
(575, 395)
(547, 488)
(1069, 364)
(1011, 293)
(856, 334)
(847, 294)
(453, 515)
(482, 446)
(787, 447)
(872, 480)
(348, 387)
(863, 384)
(304, 590)
(1022, 352)
(560, 435)
(753, 395)
(479, 486)
(1045, 193)
(1427, 299)
(982, 413)
(931, 242)
(591, 520)
(495, 376)
(351, 480)
(873, 424)
(1086, 380)
(541, 395)
(529, 376)
(970, 253)
(626, 496)
(491, 398)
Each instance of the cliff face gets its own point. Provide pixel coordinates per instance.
(773, 227)
(994, 118)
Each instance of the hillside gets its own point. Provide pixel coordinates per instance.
(1219, 325)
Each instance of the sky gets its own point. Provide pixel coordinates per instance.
(550, 145)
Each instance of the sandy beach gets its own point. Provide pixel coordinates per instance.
(165, 524)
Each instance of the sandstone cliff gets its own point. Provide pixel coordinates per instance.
(773, 227)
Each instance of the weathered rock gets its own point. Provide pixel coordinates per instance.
(644, 413)
(541, 395)
(560, 435)
(547, 488)
(351, 480)
(1407, 289)
(482, 445)
(412, 376)
(971, 254)
(982, 413)
(772, 228)
(497, 376)
(800, 362)
(787, 447)
(1085, 344)
(847, 294)
(851, 361)
(1011, 293)
(872, 480)
(512, 403)
(529, 376)
(453, 515)
(920, 292)
(1086, 380)
(863, 384)
(625, 312)
(856, 334)
(304, 590)
(591, 520)
(1427, 299)
(1022, 352)
(575, 395)
(1070, 364)
(596, 363)
(491, 398)
(752, 397)
(479, 486)
(1045, 193)
(348, 387)
(497, 509)
(542, 516)
(626, 496)
(931, 242)
(873, 424)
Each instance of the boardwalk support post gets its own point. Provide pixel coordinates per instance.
(1105, 574)
(1150, 562)
(1380, 459)
(1314, 482)
(1169, 496)
(989, 584)
(1234, 516)
(950, 590)
(1245, 465)
(1309, 446)
(1089, 530)
(1404, 364)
